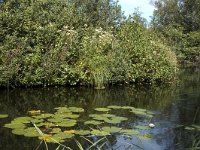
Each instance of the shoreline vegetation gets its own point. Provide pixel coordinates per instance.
(89, 43)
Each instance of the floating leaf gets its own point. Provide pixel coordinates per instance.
(34, 112)
(31, 132)
(45, 137)
(14, 126)
(129, 131)
(43, 116)
(18, 131)
(127, 107)
(56, 120)
(76, 109)
(99, 133)
(102, 109)
(56, 130)
(72, 116)
(115, 120)
(63, 135)
(143, 127)
(115, 107)
(68, 123)
(70, 131)
(93, 122)
(22, 120)
(146, 137)
(111, 129)
(3, 116)
(62, 109)
(82, 132)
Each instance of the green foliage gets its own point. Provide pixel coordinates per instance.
(55, 42)
(179, 22)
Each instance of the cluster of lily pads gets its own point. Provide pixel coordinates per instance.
(62, 125)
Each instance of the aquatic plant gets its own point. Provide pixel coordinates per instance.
(63, 124)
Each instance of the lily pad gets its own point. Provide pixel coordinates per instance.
(68, 123)
(99, 133)
(76, 109)
(111, 129)
(22, 120)
(43, 116)
(63, 135)
(31, 132)
(93, 122)
(15, 126)
(3, 116)
(82, 132)
(18, 131)
(102, 109)
(146, 137)
(129, 131)
(34, 112)
(62, 109)
(56, 130)
(115, 107)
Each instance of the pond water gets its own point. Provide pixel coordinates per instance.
(175, 107)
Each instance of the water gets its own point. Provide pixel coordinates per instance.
(176, 105)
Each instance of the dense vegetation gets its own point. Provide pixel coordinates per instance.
(78, 42)
(179, 22)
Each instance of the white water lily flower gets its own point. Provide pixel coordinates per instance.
(151, 125)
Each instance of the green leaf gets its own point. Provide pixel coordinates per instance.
(76, 109)
(102, 109)
(99, 133)
(18, 131)
(68, 123)
(111, 129)
(82, 132)
(3, 116)
(93, 122)
(129, 131)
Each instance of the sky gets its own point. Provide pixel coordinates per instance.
(144, 6)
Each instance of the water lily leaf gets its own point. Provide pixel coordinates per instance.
(34, 112)
(108, 115)
(146, 136)
(82, 132)
(128, 107)
(56, 120)
(143, 127)
(102, 109)
(63, 135)
(111, 129)
(22, 120)
(43, 116)
(115, 107)
(62, 109)
(70, 131)
(31, 132)
(56, 130)
(18, 131)
(46, 138)
(15, 126)
(99, 133)
(115, 120)
(76, 109)
(3, 116)
(129, 131)
(72, 116)
(46, 124)
(37, 121)
(98, 117)
(93, 122)
(68, 123)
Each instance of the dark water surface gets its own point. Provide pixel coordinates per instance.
(176, 105)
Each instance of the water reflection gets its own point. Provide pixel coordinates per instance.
(177, 103)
